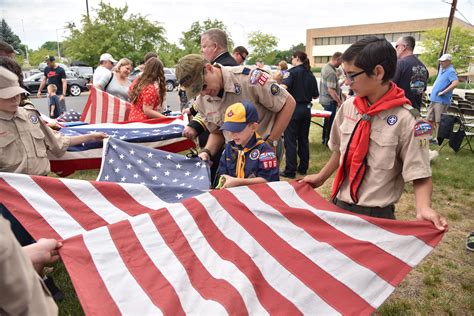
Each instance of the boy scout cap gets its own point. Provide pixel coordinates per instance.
(9, 86)
(238, 115)
(190, 74)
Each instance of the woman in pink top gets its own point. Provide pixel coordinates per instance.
(147, 92)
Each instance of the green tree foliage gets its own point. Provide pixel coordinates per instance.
(116, 32)
(170, 54)
(7, 35)
(53, 46)
(262, 46)
(460, 47)
(287, 54)
(37, 56)
(191, 40)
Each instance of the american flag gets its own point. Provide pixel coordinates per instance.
(165, 134)
(102, 107)
(275, 248)
(172, 177)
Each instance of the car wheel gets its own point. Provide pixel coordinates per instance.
(169, 86)
(74, 90)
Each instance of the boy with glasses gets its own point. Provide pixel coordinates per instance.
(378, 142)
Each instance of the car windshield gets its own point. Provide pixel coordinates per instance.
(34, 77)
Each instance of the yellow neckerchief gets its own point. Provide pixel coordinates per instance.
(240, 165)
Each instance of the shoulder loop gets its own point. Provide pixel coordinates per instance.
(416, 114)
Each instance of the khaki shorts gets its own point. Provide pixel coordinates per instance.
(435, 110)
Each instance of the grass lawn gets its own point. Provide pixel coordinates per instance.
(442, 284)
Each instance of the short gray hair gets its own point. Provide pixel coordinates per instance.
(217, 36)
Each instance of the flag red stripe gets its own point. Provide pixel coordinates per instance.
(116, 110)
(120, 198)
(138, 263)
(379, 261)
(91, 291)
(422, 230)
(25, 213)
(208, 287)
(270, 299)
(335, 293)
(88, 105)
(74, 206)
(104, 107)
(93, 109)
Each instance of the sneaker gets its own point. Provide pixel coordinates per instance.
(470, 242)
(286, 175)
(57, 294)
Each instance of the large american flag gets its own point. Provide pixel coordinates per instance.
(165, 134)
(276, 248)
(102, 107)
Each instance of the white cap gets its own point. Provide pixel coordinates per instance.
(445, 57)
(107, 56)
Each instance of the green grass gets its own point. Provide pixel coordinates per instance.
(443, 284)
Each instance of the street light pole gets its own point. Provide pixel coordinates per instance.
(57, 42)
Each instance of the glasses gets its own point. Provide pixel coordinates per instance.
(350, 77)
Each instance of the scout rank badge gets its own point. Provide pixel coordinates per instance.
(423, 131)
(34, 119)
(258, 76)
(268, 160)
(275, 89)
(237, 89)
(392, 119)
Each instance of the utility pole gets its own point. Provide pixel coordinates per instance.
(87, 7)
(449, 27)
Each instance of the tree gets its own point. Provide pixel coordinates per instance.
(53, 46)
(37, 56)
(460, 47)
(191, 40)
(287, 54)
(262, 46)
(114, 32)
(7, 35)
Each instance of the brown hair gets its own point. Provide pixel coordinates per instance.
(152, 73)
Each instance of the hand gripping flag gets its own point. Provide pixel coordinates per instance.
(275, 248)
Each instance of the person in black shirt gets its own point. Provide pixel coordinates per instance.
(301, 84)
(54, 74)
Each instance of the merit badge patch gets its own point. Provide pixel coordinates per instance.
(254, 76)
(392, 119)
(34, 119)
(237, 89)
(423, 129)
(254, 154)
(275, 89)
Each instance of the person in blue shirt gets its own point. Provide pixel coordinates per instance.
(247, 158)
(442, 91)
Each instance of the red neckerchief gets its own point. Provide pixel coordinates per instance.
(354, 163)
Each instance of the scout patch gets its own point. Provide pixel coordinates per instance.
(34, 119)
(423, 129)
(258, 76)
(230, 113)
(286, 75)
(254, 154)
(275, 89)
(237, 89)
(268, 160)
(392, 119)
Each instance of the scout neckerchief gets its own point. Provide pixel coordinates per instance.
(240, 165)
(354, 163)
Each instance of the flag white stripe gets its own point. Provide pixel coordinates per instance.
(172, 269)
(129, 126)
(217, 267)
(144, 196)
(90, 196)
(98, 108)
(335, 263)
(275, 274)
(122, 109)
(122, 286)
(409, 249)
(60, 220)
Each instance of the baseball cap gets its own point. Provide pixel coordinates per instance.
(7, 48)
(49, 58)
(190, 74)
(108, 57)
(238, 115)
(445, 57)
(9, 86)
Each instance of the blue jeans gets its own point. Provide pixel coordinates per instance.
(332, 107)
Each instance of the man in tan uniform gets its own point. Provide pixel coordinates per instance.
(378, 144)
(218, 87)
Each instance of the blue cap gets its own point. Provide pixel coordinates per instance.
(238, 115)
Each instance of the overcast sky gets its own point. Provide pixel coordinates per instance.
(37, 21)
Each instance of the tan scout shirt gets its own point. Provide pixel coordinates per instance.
(241, 83)
(395, 155)
(25, 141)
(22, 292)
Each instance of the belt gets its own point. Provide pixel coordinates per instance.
(383, 212)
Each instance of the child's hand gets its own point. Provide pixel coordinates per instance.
(229, 182)
(97, 136)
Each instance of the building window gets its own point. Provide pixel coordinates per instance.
(338, 40)
(318, 41)
(346, 40)
(332, 40)
(325, 40)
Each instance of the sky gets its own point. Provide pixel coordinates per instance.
(37, 21)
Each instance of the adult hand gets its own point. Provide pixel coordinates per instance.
(38, 94)
(43, 252)
(204, 156)
(428, 214)
(189, 132)
(97, 136)
(61, 97)
(186, 111)
(315, 180)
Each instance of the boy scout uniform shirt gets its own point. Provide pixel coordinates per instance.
(23, 292)
(398, 153)
(243, 83)
(25, 141)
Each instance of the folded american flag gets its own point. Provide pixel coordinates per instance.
(102, 107)
(275, 248)
(165, 134)
(172, 177)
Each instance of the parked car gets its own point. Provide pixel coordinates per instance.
(75, 85)
(170, 77)
(83, 72)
